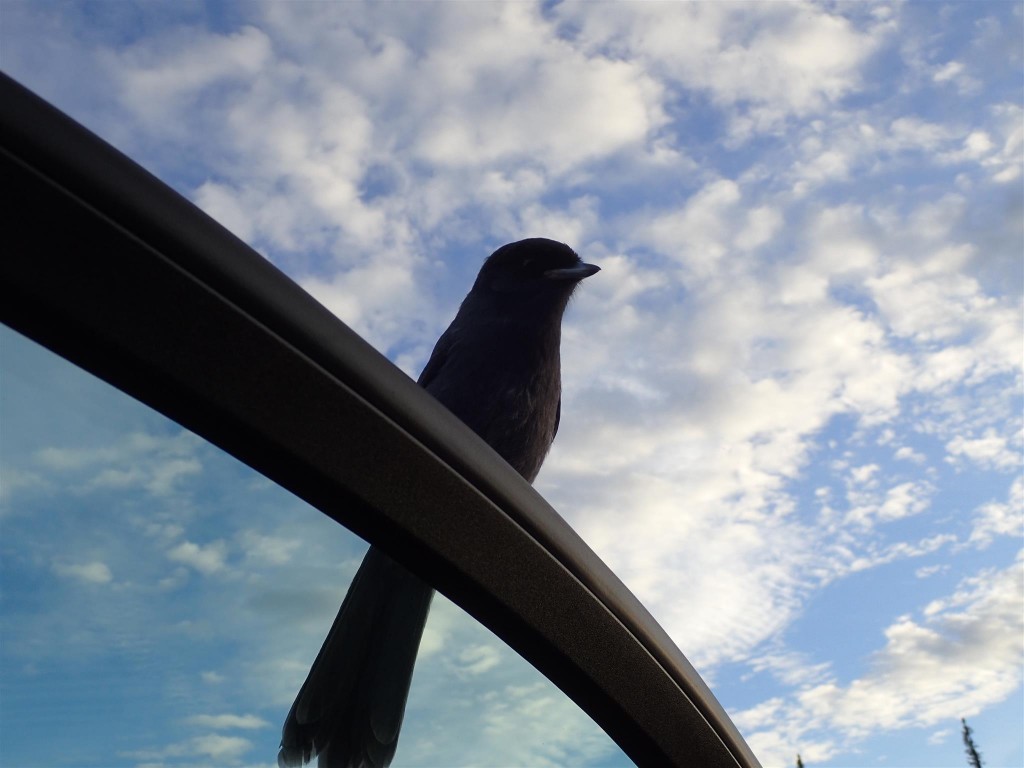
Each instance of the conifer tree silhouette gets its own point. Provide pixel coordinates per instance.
(973, 756)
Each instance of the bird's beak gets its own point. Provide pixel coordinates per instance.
(576, 272)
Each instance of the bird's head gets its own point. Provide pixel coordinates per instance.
(536, 269)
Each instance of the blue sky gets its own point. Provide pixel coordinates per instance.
(792, 397)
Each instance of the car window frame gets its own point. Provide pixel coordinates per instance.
(111, 269)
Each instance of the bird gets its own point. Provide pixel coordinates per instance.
(497, 368)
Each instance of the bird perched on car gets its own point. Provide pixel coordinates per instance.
(497, 368)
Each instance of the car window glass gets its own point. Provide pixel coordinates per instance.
(160, 602)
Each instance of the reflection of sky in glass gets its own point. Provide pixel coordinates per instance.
(162, 602)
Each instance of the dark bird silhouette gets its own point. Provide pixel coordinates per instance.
(497, 368)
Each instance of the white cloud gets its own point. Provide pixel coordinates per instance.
(791, 669)
(783, 363)
(268, 550)
(910, 132)
(949, 665)
(228, 749)
(998, 518)
(711, 618)
(207, 559)
(505, 711)
(212, 677)
(155, 463)
(375, 298)
(989, 450)
(477, 659)
(958, 75)
(13, 479)
(507, 70)
(948, 71)
(930, 570)
(307, 162)
(228, 207)
(795, 57)
(905, 499)
(1007, 163)
(962, 655)
(863, 475)
(219, 722)
(223, 750)
(518, 724)
(158, 81)
(761, 226)
(906, 453)
(874, 556)
(573, 223)
(95, 572)
(697, 235)
(932, 301)
(560, 731)
(309, 184)
(821, 163)
(715, 402)
(782, 741)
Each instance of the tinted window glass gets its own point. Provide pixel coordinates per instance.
(161, 602)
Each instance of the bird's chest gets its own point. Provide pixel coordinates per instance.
(509, 395)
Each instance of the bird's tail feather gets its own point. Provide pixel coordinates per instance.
(349, 711)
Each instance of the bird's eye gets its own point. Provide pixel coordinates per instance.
(527, 262)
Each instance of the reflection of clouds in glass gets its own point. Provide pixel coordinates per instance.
(561, 734)
(211, 677)
(246, 722)
(155, 463)
(477, 659)
(94, 572)
(504, 712)
(14, 479)
(223, 750)
(269, 550)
